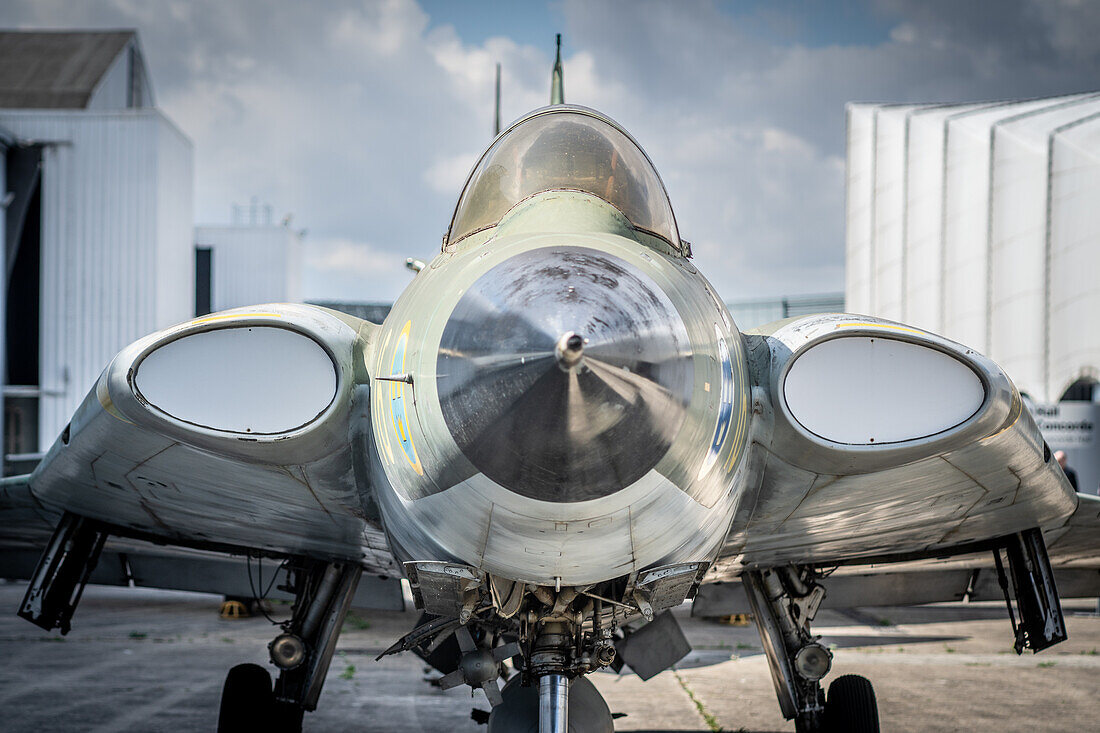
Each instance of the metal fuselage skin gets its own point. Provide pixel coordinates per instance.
(492, 453)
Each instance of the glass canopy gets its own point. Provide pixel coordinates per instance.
(565, 148)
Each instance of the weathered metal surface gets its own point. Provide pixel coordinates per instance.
(668, 586)
(459, 421)
(820, 501)
(439, 504)
(441, 588)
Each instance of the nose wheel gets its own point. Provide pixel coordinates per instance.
(851, 705)
(519, 713)
(248, 703)
(303, 652)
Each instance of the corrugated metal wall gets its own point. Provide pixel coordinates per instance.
(888, 202)
(960, 221)
(860, 186)
(116, 245)
(253, 264)
(1018, 318)
(1074, 337)
(924, 172)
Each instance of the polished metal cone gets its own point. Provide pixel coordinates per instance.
(544, 415)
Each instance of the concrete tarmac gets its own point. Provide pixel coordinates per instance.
(141, 660)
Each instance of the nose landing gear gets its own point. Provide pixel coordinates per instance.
(784, 601)
(303, 652)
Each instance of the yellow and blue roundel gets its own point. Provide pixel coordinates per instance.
(725, 404)
(398, 412)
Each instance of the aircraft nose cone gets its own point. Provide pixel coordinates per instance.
(564, 374)
(569, 350)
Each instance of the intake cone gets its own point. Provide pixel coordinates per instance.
(563, 374)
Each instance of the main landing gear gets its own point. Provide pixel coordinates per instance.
(784, 601)
(302, 652)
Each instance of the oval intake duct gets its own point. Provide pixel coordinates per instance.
(563, 374)
(244, 379)
(865, 390)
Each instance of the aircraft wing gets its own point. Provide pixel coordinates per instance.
(877, 442)
(237, 431)
(1074, 554)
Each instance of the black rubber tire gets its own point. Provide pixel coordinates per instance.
(850, 706)
(247, 699)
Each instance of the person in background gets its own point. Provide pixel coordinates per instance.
(1060, 456)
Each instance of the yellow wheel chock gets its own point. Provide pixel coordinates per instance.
(233, 609)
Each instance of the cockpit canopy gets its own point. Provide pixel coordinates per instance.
(565, 147)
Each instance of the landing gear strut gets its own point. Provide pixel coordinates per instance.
(302, 652)
(548, 662)
(784, 601)
(553, 703)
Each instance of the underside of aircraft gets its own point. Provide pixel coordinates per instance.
(557, 435)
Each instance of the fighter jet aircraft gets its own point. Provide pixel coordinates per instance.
(558, 432)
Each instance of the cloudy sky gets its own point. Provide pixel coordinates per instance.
(363, 117)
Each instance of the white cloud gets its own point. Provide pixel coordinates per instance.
(345, 256)
(904, 33)
(342, 268)
(781, 141)
(362, 118)
(448, 174)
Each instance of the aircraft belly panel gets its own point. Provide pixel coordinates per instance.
(652, 522)
(976, 492)
(149, 483)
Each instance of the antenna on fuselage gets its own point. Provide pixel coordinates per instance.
(496, 119)
(557, 80)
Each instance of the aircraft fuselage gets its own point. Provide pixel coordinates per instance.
(492, 448)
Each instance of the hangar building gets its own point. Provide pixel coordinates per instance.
(245, 264)
(981, 222)
(96, 215)
(97, 221)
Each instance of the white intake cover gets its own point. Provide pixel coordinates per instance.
(861, 390)
(255, 379)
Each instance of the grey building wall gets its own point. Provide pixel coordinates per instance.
(116, 251)
(253, 264)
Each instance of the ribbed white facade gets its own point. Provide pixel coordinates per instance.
(116, 251)
(1074, 293)
(253, 264)
(981, 222)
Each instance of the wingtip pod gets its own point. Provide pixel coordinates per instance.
(271, 383)
(853, 394)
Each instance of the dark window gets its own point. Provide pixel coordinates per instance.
(204, 273)
(24, 285)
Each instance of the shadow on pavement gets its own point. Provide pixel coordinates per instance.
(709, 657)
(844, 641)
